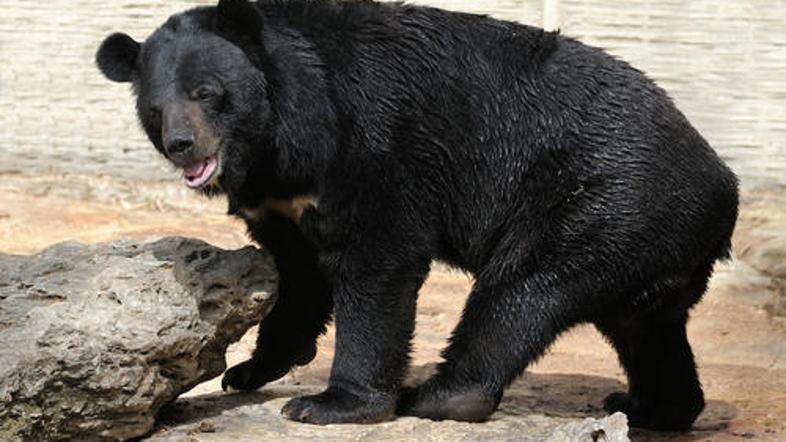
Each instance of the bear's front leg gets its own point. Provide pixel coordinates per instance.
(375, 288)
(287, 336)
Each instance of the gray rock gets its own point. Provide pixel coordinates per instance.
(219, 417)
(95, 339)
(613, 428)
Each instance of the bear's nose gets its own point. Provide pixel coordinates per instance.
(179, 144)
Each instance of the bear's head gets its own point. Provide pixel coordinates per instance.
(204, 99)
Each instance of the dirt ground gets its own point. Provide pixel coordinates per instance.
(740, 349)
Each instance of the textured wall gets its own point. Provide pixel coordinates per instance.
(722, 61)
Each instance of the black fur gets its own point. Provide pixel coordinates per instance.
(117, 57)
(561, 177)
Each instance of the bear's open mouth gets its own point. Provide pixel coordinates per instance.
(198, 173)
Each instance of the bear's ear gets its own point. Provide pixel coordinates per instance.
(238, 16)
(117, 57)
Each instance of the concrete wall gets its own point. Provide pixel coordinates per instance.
(722, 61)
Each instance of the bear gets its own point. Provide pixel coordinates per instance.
(360, 141)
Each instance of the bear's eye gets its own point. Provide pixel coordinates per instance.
(154, 113)
(204, 93)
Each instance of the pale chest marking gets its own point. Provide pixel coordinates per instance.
(289, 208)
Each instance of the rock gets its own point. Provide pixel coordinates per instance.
(255, 416)
(95, 339)
(613, 428)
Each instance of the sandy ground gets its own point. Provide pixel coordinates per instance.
(740, 349)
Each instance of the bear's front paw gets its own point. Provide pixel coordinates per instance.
(334, 406)
(254, 373)
(245, 376)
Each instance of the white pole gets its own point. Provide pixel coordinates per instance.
(551, 15)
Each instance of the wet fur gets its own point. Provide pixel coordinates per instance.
(562, 178)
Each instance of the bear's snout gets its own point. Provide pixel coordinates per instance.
(177, 135)
(179, 144)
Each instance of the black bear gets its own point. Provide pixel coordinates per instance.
(359, 141)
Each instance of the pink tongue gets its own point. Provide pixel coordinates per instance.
(195, 170)
(198, 173)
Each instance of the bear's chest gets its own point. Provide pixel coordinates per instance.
(291, 209)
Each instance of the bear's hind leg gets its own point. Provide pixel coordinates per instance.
(503, 329)
(664, 392)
